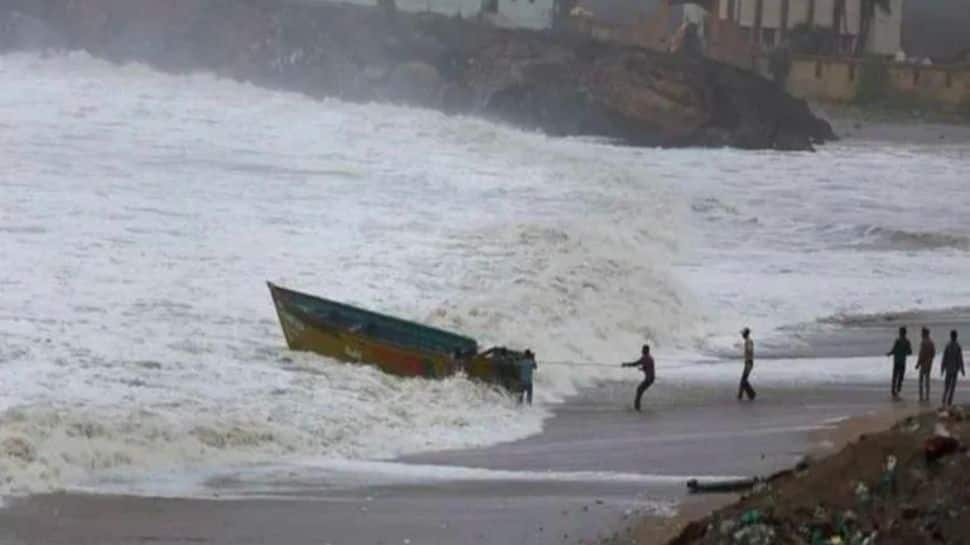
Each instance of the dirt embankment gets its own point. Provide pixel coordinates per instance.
(557, 83)
(905, 486)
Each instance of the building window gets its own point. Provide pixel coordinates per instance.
(818, 69)
(746, 35)
(768, 37)
(847, 43)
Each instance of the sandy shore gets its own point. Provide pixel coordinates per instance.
(823, 442)
(904, 485)
(599, 470)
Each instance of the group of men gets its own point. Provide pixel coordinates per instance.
(951, 365)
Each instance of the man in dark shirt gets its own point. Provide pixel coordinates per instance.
(951, 364)
(745, 387)
(645, 363)
(901, 349)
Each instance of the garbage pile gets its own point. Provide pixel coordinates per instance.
(906, 486)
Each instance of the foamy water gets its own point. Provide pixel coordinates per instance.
(141, 214)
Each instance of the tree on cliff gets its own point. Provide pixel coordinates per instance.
(867, 15)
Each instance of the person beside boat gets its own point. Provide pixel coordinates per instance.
(645, 363)
(527, 367)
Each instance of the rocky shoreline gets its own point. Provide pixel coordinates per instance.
(904, 486)
(558, 83)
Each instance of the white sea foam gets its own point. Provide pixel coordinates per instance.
(310, 477)
(142, 212)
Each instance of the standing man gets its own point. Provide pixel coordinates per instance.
(645, 363)
(745, 386)
(952, 364)
(901, 349)
(927, 351)
(527, 366)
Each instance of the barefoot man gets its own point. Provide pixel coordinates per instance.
(924, 364)
(901, 349)
(951, 365)
(645, 363)
(745, 387)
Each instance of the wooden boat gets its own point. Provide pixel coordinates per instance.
(396, 346)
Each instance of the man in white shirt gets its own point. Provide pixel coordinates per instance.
(745, 387)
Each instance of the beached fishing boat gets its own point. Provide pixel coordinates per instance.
(396, 346)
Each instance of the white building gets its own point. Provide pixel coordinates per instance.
(778, 17)
(532, 14)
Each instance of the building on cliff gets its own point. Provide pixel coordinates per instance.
(531, 14)
(738, 30)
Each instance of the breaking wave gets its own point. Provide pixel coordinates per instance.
(902, 317)
(137, 332)
(308, 407)
(873, 237)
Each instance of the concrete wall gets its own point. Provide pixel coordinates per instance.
(746, 11)
(797, 12)
(824, 12)
(823, 78)
(836, 80)
(771, 15)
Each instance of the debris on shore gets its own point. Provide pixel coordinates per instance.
(905, 486)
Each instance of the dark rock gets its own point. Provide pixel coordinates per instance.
(787, 141)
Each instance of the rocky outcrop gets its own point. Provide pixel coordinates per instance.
(561, 84)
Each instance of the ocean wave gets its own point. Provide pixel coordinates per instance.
(880, 238)
(323, 409)
(514, 238)
(951, 315)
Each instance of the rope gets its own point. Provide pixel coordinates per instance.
(579, 363)
(596, 364)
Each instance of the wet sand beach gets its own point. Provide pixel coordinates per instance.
(599, 470)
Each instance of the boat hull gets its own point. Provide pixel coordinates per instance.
(395, 346)
(305, 331)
